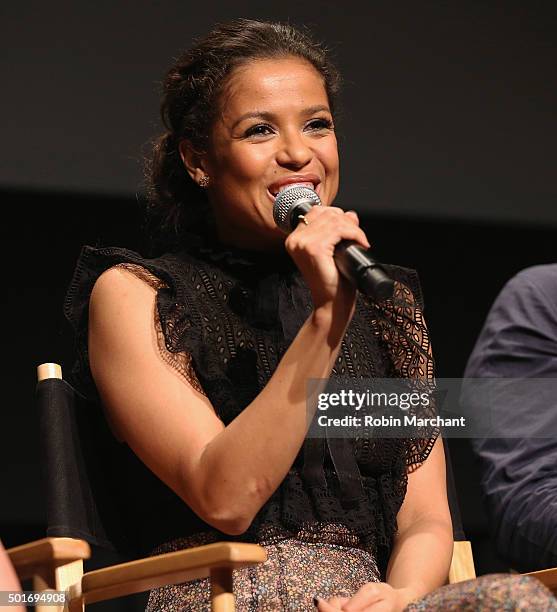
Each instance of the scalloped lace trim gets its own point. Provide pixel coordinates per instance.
(181, 361)
(401, 324)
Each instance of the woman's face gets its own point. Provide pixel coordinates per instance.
(275, 128)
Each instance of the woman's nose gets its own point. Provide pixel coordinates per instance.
(294, 151)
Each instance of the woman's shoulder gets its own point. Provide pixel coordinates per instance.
(123, 283)
(119, 294)
(93, 261)
(112, 269)
(124, 277)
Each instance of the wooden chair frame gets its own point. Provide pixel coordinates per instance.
(51, 563)
(462, 562)
(547, 577)
(57, 564)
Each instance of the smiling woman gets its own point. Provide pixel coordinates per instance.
(200, 357)
(218, 94)
(274, 128)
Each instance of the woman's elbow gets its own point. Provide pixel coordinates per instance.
(230, 525)
(227, 518)
(233, 514)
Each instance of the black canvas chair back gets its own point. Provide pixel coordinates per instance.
(89, 496)
(83, 500)
(96, 487)
(458, 529)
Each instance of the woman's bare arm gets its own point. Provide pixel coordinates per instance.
(225, 474)
(423, 547)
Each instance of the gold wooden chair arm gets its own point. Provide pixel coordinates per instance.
(52, 564)
(547, 577)
(462, 563)
(213, 560)
(31, 559)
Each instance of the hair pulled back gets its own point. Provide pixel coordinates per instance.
(190, 104)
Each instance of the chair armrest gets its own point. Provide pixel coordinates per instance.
(547, 577)
(462, 562)
(168, 568)
(49, 553)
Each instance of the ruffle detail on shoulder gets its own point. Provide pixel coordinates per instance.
(182, 362)
(91, 264)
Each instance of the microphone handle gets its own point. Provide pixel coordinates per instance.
(353, 261)
(356, 264)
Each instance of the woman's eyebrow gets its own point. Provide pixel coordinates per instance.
(268, 116)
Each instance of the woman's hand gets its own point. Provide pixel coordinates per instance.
(312, 247)
(372, 596)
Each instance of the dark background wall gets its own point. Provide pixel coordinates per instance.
(447, 144)
(449, 106)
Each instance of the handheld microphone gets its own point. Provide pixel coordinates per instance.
(352, 260)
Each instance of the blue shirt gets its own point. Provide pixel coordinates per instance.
(519, 475)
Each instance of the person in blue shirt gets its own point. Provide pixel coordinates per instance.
(519, 471)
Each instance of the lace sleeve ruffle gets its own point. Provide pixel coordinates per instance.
(91, 264)
(401, 325)
(180, 361)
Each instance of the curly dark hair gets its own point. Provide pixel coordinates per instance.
(190, 103)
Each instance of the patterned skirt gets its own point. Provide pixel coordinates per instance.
(296, 571)
(293, 574)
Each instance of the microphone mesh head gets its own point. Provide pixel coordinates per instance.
(287, 199)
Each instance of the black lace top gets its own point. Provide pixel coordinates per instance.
(225, 318)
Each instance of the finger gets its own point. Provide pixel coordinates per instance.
(338, 601)
(380, 606)
(320, 215)
(315, 244)
(370, 593)
(344, 226)
(324, 211)
(352, 214)
(322, 234)
(330, 605)
(375, 604)
(348, 231)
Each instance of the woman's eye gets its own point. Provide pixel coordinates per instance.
(258, 130)
(320, 124)
(262, 129)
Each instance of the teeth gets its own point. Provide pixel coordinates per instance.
(309, 184)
